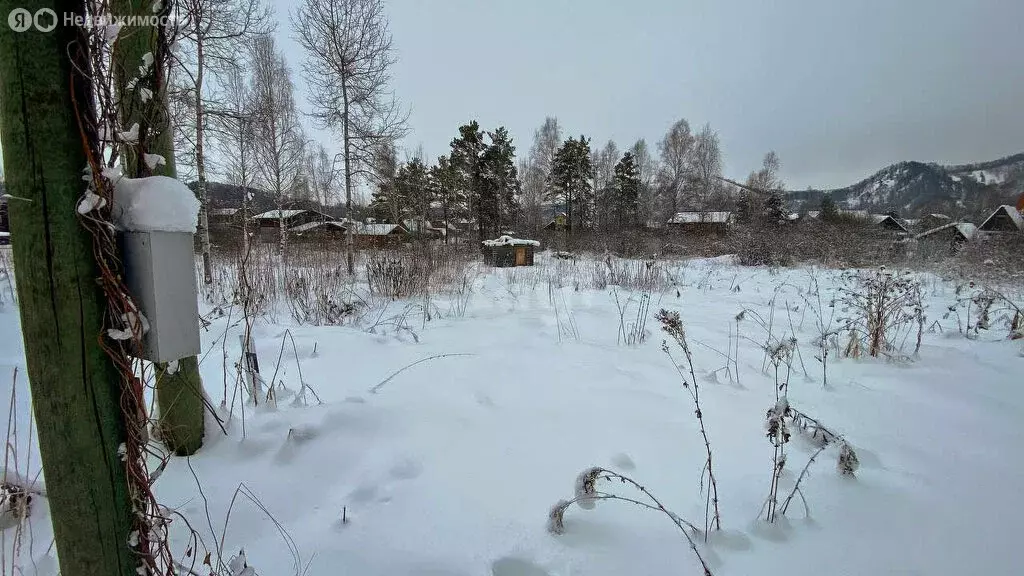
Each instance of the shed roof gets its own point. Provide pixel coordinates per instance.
(510, 241)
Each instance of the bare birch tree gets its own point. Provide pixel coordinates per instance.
(277, 134)
(213, 33)
(322, 175)
(536, 168)
(705, 170)
(347, 69)
(675, 149)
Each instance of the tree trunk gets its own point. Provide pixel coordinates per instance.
(204, 204)
(179, 392)
(347, 137)
(76, 398)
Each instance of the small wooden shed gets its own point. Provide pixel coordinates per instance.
(506, 251)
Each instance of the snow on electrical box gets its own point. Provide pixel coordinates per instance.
(156, 218)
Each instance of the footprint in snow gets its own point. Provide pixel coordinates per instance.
(407, 469)
(622, 461)
(512, 566)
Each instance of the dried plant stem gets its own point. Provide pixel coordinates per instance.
(796, 487)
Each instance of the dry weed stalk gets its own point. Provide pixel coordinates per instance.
(673, 326)
(587, 495)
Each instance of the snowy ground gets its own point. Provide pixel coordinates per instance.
(450, 468)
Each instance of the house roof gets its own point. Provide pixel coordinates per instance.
(700, 218)
(223, 211)
(277, 214)
(966, 229)
(880, 218)
(510, 241)
(313, 225)
(1011, 211)
(376, 229)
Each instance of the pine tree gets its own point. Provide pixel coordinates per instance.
(413, 192)
(444, 181)
(626, 205)
(500, 187)
(570, 182)
(465, 158)
(829, 210)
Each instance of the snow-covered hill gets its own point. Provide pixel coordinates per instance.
(916, 188)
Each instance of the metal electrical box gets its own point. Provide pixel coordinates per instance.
(160, 272)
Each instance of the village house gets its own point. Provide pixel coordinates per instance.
(1006, 218)
(379, 236)
(269, 223)
(701, 222)
(952, 234)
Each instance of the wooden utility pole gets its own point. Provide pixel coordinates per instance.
(179, 390)
(75, 386)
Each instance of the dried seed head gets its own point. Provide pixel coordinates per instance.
(586, 491)
(556, 517)
(847, 462)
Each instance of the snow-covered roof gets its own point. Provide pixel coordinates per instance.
(376, 229)
(277, 214)
(510, 241)
(313, 225)
(223, 211)
(1012, 212)
(966, 229)
(880, 218)
(701, 218)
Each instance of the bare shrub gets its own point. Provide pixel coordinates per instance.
(980, 308)
(882, 310)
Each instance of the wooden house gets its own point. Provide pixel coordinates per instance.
(559, 222)
(269, 223)
(953, 234)
(320, 232)
(701, 222)
(1006, 218)
(506, 251)
(888, 222)
(379, 236)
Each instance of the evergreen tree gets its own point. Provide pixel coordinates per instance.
(500, 187)
(413, 191)
(385, 205)
(569, 182)
(465, 158)
(774, 208)
(829, 210)
(744, 212)
(626, 205)
(444, 181)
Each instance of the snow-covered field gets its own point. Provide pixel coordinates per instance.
(450, 466)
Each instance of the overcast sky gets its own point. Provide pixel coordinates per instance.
(839, 88)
